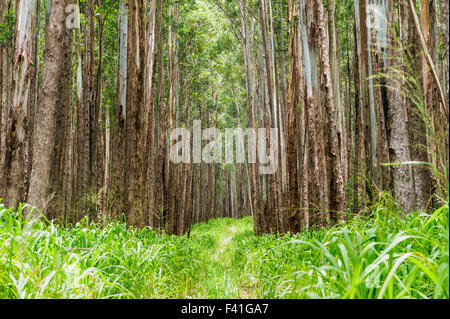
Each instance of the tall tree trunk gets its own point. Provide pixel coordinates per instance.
(49, 143)
(135, 123)
(417, 125)
(339, 108)
(149, 100)
(91, 118)
(294, 215)
(119, 153)
(398, 126)
(159, 164)
(337, 199)
(18, 124)
(100, 123)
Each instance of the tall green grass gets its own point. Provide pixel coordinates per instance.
(379, 257)
(86, 261)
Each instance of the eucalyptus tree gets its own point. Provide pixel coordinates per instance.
(47, 191)
(18, 122)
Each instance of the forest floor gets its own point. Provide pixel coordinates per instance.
(379, 257)
(218, 278)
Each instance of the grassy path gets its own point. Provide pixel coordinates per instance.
(330, 263)
(218, 278)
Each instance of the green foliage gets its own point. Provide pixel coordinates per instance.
(50, 261)
(379, 257)
(382, 257)
(7, 28)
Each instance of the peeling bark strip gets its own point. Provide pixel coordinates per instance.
(13, 180)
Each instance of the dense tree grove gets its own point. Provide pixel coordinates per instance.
(355, 92)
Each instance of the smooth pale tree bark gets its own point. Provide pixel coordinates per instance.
(49, 149)
(18, 120)
(119, 154)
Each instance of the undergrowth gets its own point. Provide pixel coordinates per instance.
(383, 256)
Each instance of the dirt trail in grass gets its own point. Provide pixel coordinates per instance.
(218, 278)
(224, 243)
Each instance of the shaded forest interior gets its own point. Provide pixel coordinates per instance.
(90, 91)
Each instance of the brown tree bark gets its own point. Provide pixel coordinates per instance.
(118, 176)
(150, 117)
(398, 125)
(339, 108)
(159, 207)
(337, 193)
(135, 122)
(50, 135)
(294, 215)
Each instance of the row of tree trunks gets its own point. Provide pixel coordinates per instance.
(332, 128)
